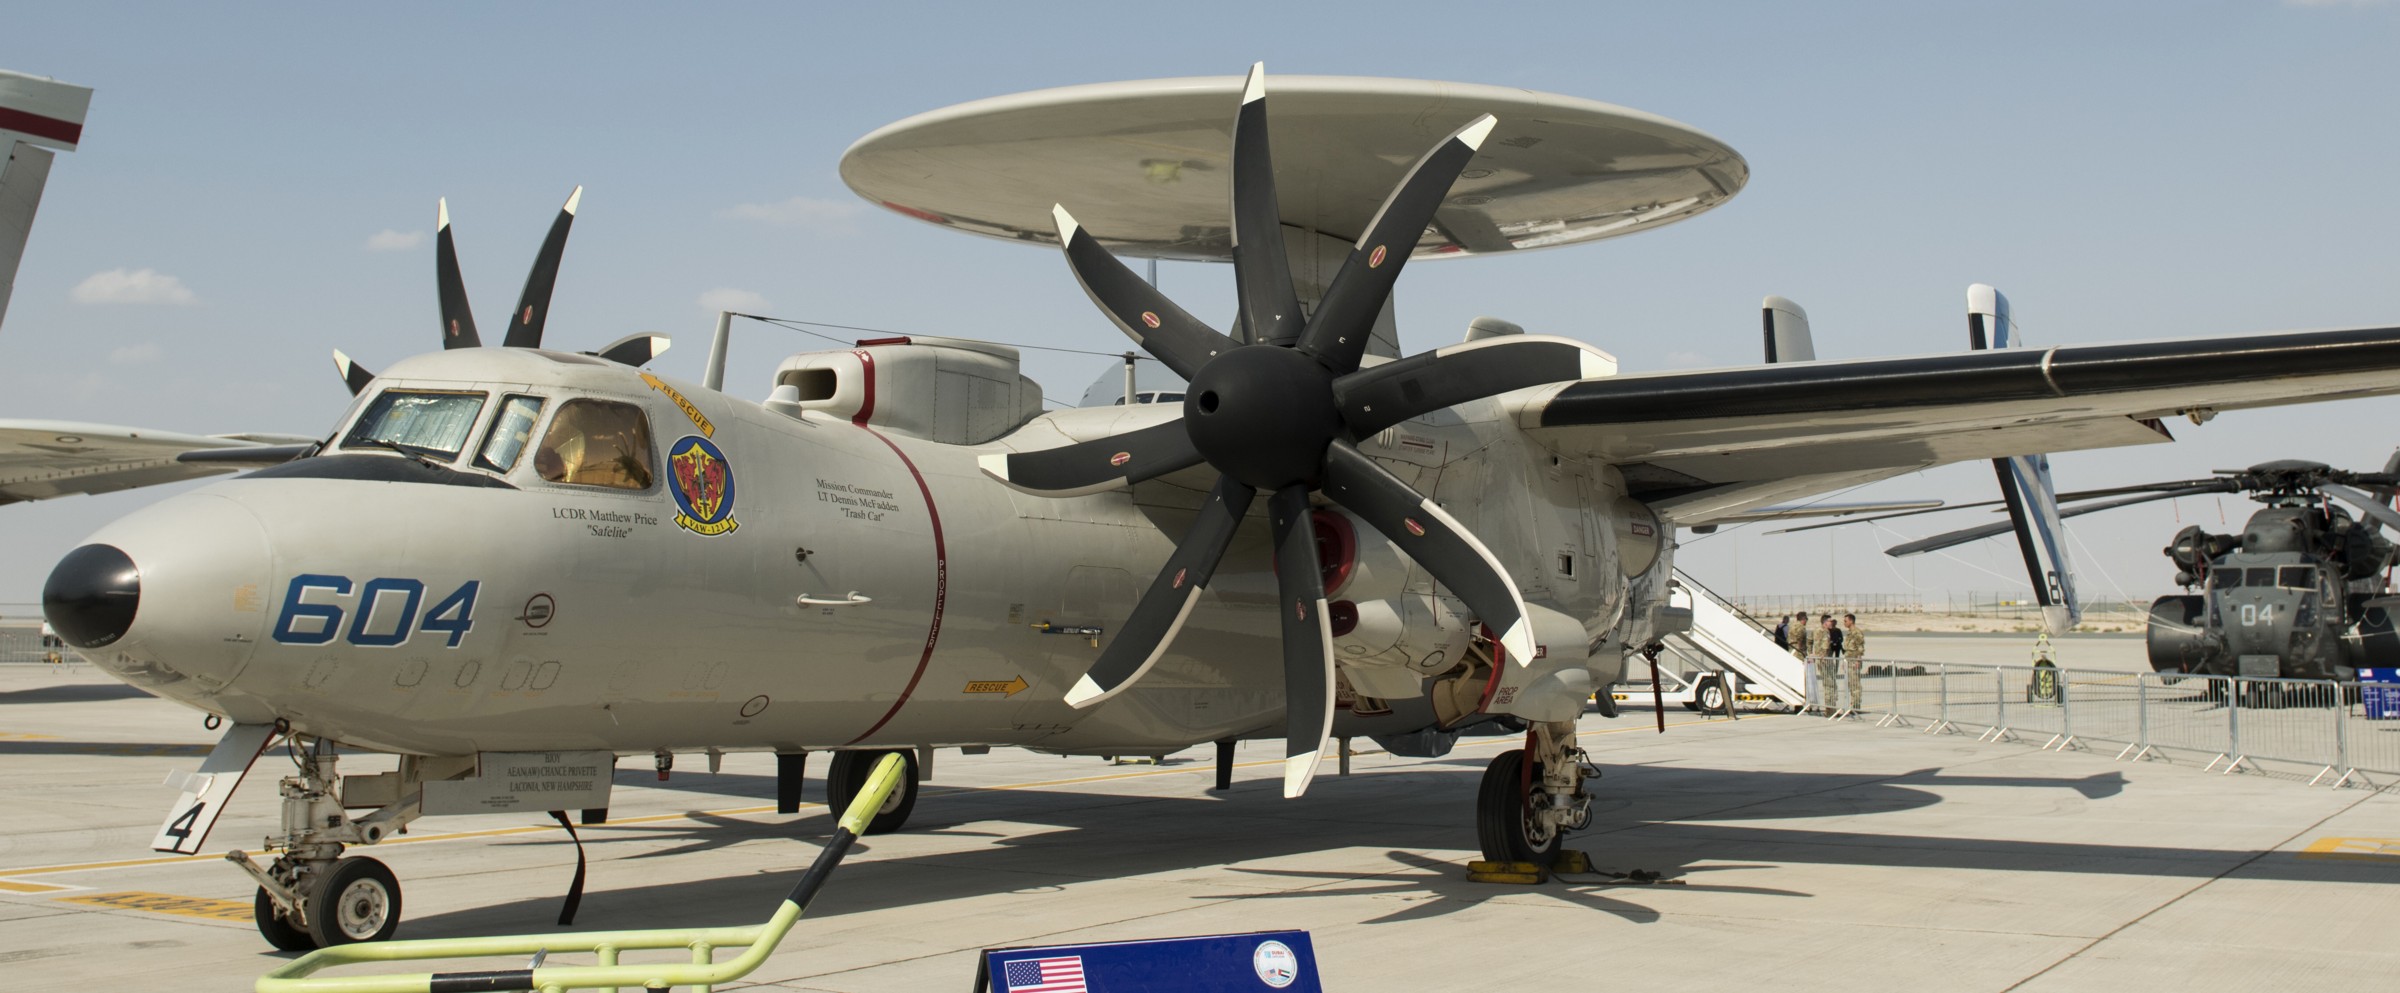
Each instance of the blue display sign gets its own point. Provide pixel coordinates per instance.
(1269, 961)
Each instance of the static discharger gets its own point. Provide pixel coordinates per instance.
(754, 943)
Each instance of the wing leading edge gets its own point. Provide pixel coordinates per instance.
(1682, 436)
(44, 459)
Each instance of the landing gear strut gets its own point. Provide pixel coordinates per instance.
(311, 896)
(1531, 797)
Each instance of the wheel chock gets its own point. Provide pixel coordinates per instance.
(1571, 861)
(1516, 873)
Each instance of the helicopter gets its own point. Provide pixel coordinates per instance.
(2302, 592)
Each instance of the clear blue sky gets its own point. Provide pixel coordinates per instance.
(2121, 170)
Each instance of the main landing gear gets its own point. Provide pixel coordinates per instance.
(1531, 797)
(312, 896)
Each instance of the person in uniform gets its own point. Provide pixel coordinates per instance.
(1854, 658)
(1783, 632)
(1829, 658)
(1804, 647)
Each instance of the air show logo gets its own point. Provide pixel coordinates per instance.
(703, 486)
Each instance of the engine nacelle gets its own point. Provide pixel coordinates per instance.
(2177, 639)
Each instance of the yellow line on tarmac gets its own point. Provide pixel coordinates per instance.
(742, 811)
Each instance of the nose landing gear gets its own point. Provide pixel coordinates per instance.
(311, 896)
(1531, 797)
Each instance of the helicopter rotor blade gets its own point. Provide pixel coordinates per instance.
(1935, 543)
(2366, 504)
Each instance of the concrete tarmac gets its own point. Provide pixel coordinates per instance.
(1798, 855)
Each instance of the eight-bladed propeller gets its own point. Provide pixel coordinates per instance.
(1282, 413)
(533, 304)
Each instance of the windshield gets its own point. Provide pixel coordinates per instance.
(429, 421)
(510, 431)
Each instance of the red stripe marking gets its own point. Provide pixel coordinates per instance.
(866, 408)
(941, 556)
(40, 127)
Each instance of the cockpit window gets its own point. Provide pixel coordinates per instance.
(434, 422)
(2225, 579)
(596, 443)
(2260, 576)
(2296, 577)
(510, 431)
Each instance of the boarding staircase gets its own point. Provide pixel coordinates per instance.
(1723, 640)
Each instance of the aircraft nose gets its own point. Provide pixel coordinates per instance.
(93, 595)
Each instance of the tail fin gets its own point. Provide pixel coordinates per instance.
(2025, 483)
(1786, 328)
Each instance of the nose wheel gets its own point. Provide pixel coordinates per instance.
(358, 900)
(849, 775)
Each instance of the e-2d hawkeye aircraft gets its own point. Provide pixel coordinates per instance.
(511, 565)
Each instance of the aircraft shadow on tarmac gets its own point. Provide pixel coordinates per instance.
(1667, 820)
(72, 693)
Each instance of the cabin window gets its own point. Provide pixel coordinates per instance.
(2297, 577)
(432, 422)
(511, 430)
(597, 443)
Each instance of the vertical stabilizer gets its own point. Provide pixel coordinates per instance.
(1786, 327)
(2025, 483)
(36, 115)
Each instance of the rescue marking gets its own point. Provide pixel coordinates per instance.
(1009, 687)
(163, 903)
(699, 420)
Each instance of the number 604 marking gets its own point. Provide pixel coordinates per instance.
(315, 606)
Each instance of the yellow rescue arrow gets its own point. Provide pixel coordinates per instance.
(1010, 688)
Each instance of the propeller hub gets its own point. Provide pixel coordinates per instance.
(1263, 414)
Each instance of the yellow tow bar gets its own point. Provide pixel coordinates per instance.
(752, 944)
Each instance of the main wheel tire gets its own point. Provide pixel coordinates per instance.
(358, 899)
(1502, 822)
(1709, 698)
(848, 775)
(273, 926)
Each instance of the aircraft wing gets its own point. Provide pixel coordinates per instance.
(1701, 446)
(44, 459)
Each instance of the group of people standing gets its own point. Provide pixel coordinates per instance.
(1821, 644)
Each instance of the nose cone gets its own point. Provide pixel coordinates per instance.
(93, 595)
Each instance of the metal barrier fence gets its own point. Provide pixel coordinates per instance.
(25, 645)
(2315, 730)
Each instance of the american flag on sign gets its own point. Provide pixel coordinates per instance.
(1054, 975)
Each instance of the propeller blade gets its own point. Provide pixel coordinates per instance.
(1947, 539)
(1270, 310)
(458, 323)
(1377, 398)
(1435, 540)
(2366, 504)
(533, 305)
(1166, 331)
(1144, 637)
(1307, 639)
(1337, 334)
(354, 376)
(636, 349)
(1096, 466)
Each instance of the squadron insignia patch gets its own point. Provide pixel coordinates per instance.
(703, 486)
